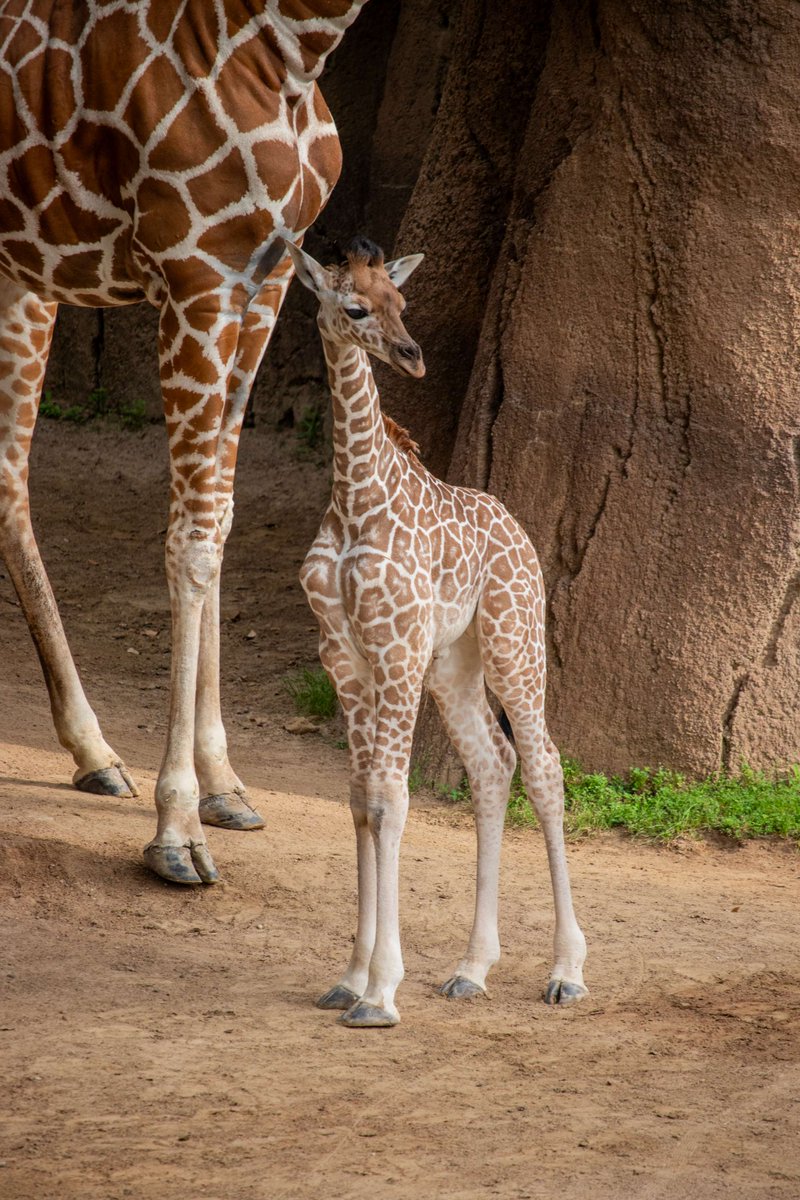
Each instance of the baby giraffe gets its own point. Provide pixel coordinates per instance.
(418, 584)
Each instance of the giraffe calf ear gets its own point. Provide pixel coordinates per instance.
(401, 268)
(310, 273)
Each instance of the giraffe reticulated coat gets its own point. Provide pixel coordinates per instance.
(157, 150)
(416, 583)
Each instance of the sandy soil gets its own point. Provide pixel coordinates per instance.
(162, 1042)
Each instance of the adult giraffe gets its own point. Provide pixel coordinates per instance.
(157, 150)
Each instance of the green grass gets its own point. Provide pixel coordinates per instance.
(663, 805)
(98, 403)
(416, 779)
(313, 693)
(657, 804)
(310, 429)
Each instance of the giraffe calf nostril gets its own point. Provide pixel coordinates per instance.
(411, 351)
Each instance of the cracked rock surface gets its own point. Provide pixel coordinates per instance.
(606, 195)
(633, 377)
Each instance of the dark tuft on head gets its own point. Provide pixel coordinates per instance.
(362, 250)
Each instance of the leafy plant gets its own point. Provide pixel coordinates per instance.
(98, 403)
(416, 779)
(133, 416)
(313, 693)
(76, 414)
(50, 408)
(309, 428)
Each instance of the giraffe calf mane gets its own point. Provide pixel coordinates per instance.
(400, 436)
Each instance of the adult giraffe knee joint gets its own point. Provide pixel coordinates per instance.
(418, 584)
(170, 152)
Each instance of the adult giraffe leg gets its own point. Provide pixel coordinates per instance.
(26, 327)
(223, 798)
(455, 680)
(512, 648)
(197, 349)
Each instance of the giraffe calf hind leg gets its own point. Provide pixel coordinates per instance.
(559, 992)
(455, 680)
(512, 652)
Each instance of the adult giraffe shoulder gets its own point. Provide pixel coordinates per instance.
(157, 150)
(416, 583)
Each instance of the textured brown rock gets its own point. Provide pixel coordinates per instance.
(633, 397)
(606, 194)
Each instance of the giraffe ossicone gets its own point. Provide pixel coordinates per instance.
(417, 584)
(161, 152)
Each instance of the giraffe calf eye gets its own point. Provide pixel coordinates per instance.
(357, 314)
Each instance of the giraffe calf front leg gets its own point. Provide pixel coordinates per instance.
(353, 983)
(354, 687)
(387, 806)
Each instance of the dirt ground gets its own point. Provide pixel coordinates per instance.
(160, 1042)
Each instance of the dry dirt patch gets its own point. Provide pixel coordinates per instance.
(162, 1043)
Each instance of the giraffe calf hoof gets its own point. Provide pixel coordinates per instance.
(459, 988)
(181, 864)
(338, 997)
(108, 781)
(368, 1016)
(561, 993)
(229, 811)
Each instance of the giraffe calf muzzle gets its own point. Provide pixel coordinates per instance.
(407, 357)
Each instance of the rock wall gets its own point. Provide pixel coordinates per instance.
(633, 390)
(606, 193)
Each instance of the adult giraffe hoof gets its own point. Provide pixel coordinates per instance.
(108, 781)
(182, 864)
(337, 997)
(368, 1016)
(230, 811)
(459, 988)
(561, 993)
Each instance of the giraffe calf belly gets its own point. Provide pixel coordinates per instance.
(452, 621)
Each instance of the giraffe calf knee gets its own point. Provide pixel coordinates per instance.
(386, 802)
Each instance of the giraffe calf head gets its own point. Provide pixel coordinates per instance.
(361, 303)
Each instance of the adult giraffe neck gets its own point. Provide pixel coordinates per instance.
(306, 31)
(363, 455)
